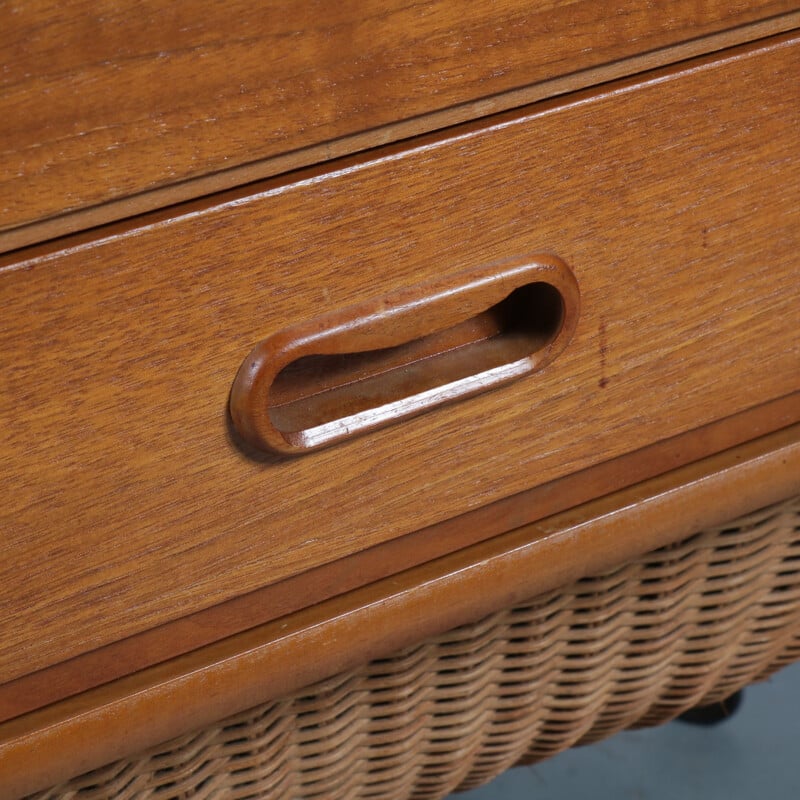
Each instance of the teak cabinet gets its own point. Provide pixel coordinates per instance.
(525, 280)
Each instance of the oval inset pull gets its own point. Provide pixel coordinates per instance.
(351, 371)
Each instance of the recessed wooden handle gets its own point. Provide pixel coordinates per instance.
(354, 370)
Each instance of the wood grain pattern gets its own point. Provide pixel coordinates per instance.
(348, 372)
(48, 746)
(234, 616)
(107, 100)
(677, 206)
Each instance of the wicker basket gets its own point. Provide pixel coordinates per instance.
(685, 625)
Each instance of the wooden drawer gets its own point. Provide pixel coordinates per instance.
(130, 503)
(114, 101)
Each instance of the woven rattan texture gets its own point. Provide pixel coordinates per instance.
(685, 625)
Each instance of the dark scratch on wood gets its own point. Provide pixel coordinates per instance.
(603, 382)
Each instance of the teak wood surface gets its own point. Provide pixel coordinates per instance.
(181, 636)
(348, 372)
(129, 504)
(112, 108)
(43, 748)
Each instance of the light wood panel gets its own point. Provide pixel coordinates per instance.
(103, 101)
(188, 693)
(128, 504)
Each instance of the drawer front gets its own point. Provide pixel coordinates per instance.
(208, 89)
(675, 201)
